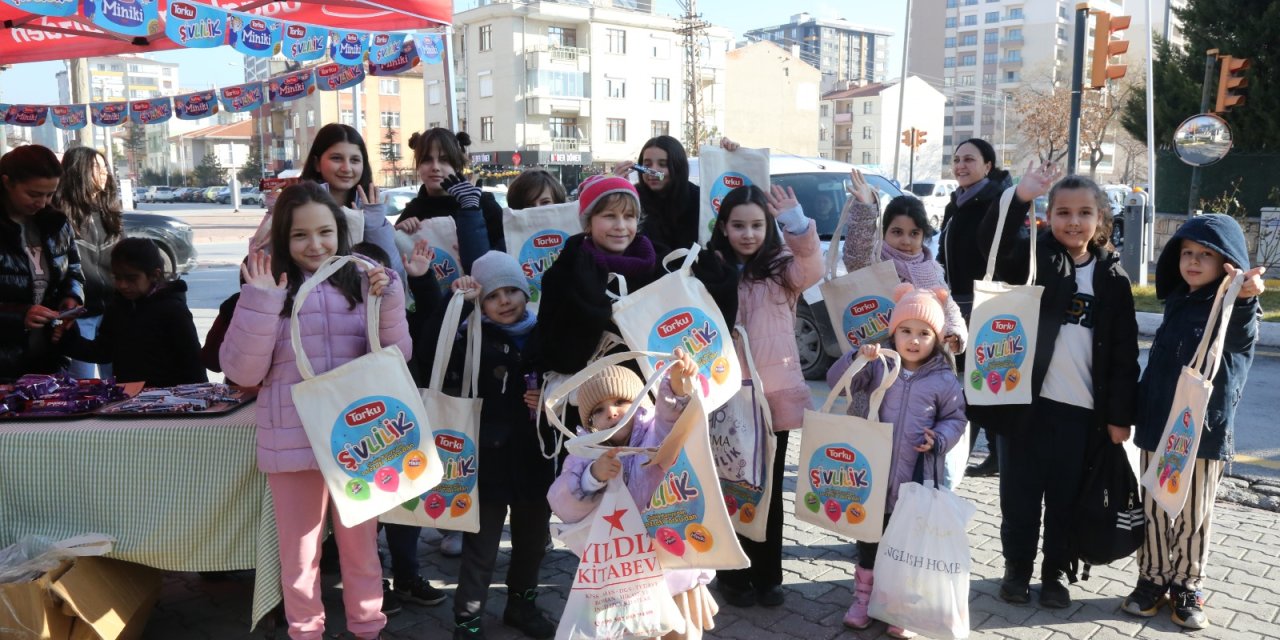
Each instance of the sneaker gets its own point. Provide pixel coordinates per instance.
(523, 614)
(420, 591)
(739, 597)
(771, 597)
(856, 617)
(1054, 593)
(451, 544)
(468, 630)
(1015, 588)
(1188, 608)
(899, 632)
(391, 605)
(1146, 599)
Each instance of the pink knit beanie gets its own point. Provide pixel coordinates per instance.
(593, 189)
(918, 304)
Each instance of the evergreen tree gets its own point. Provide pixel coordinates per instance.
(210, 171)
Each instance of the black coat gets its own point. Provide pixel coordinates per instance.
(427, 206)
(21, 353)
(1115, 329)
(152, 339)
(95, 245)
(669, 224)
(962, 259)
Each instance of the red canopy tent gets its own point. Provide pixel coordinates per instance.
(31, 38)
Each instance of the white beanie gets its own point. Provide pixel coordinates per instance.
(495, 270)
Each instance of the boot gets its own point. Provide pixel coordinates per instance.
(523, 614)
(468, 629)
(856, 617)
(1015, 588)
(990, 466)
(1053, 587)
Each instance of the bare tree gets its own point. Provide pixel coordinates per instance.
(1045, 118)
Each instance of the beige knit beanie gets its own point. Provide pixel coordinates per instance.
(611, 383)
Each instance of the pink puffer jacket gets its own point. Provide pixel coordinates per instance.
(257, 351)
(767, 309)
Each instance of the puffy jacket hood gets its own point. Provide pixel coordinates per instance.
(1218, 232)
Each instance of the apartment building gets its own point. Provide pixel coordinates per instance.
(774, 98)
(843, 51)
(859, 125)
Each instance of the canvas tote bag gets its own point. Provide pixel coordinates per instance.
(859, 303)
(677, 311)
(1002, 330)
(720, 172)
(844, 462)
(454, 503)
(744, 446)
(535, 236)
(364, 419)
(1169, 479)
(442, 234)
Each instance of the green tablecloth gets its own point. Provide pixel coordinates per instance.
(177, 493)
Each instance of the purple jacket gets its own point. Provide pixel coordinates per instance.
(930, 399)
(257, 350)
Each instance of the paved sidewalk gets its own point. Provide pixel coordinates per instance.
(1243, 594)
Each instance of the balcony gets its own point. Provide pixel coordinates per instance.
(557, 57)
(1011, 40)
(1011, 63)
(536, 105)
(561, 144)
(844, 118)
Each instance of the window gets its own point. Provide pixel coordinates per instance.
(964, 119)
(991, 37)
(663, 128)
(661, 89)
(433, 125)
(866, 107)
(486, 128)
(617, 39)
(348, 117)
(1014, 55)
(1014, 34)
(562, 37)
(486, 84)
(1062, 33)
(970, 21)
(948, 81)
(948, 42)
(486, 37)
(134, 68)
(166, 71)
(988, 78)
(617, 129)
(822, 134)
(389, 119)
(1011, 76)
(966, 80)
(866, 133)
(965, 100)
(969, 40)
(968, 60)
(389, 86)
(661, 48)
(563, 127)
(615, 87)
(970, 3)
(1062, 12)
(993, 16)
(949, 62)
(988, 119)
(951, 4)
(866, 157)
(433, 92)
(951, 22)
(990, 58)
(311, 117)
(1015, 13)
(824, 110)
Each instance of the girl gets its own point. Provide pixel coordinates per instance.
(306, 230)
(88, 195)
(441, 158)
(925, 404)
(670, 204)
(40, 273)
(1084, 378)
(148, 315)
(535, 188)
(513, 474)
(602, 401)
(905, 228)
(773, 275)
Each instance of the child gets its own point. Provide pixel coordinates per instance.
(906, 228)
(602, 401)
(146, 317)
(1084, 377)
(441, 158)
(773, 275)
(925, 404)
(306, 230)
(1172, 558)
(513, 473)
(535, 188)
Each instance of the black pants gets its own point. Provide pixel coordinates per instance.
(1044, 462)
(765, 571)
(402, 544)
(867, 550)
(529, 520)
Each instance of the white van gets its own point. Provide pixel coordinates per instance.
(935, 194)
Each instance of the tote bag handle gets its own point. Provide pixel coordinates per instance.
(1209, 356)
(551, 403)
(444, 347)
(877, 238)
(690, 256)
(1006, 199)
(372, 311)
(890, 374)
(756, 383)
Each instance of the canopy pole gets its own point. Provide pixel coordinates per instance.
(446, 59)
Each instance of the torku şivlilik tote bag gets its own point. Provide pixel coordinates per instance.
(455, 424)
(677, 311)
(536, 236)
(859, 303)
(720, 172)
(1002, 330)
(1169, 478)
(744, 446)
(844, 462)
(686, 513)
(442, 234)
(364, 419)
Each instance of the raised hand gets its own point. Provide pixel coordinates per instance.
(409, 225)
(859, 189)
(1037, 180)
(622, 168)
(469, 286)
(367, 199)
(729, 145)
(256, 271)
(682, 371)
(780, 200)
(467, 194)
(1253, 284)
(378, 280)
(417, 263)
(870, 351)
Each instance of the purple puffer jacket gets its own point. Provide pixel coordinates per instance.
(257, 350)
(931, 398)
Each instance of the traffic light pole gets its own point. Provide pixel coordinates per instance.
(1206, 97)
(1077, 87)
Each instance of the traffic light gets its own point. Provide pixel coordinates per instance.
(1104, 47)
(909, 137)
(920, 138)
(1231, 82)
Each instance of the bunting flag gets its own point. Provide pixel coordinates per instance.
(26, 115)
(385, 47)
(52, 8)
(429, 46)
(292, 86)
(70, 116)
(304, 43)
(195, 25)
(347, 47)
(138, 18)
(407, 59)
(335, 77)
(242, 97)
(153, 111)
(108, 114)
(194, 106)
(254, 36)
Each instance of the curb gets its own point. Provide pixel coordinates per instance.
(1268, 332)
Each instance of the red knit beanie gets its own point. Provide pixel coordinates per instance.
(594, 189)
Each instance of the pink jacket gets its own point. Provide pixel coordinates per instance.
(767, 309)
(257, 350)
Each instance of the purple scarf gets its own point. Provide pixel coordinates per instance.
(965, 194)
(639, 258)
(920, 270)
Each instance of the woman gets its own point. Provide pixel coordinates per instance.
(89, 197)
(40, 273)
(669, 205)
(438, 154)
(981, 183)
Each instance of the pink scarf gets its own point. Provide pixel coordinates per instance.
(920, 270)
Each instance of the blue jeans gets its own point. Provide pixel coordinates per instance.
(83, 370)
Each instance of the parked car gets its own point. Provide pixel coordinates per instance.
(935, 194)
(159, 194)
(397, 198)
(1117, 194)
(210, 194)
(139, 194)
(172, 235)
(223, 195)
(251, 195)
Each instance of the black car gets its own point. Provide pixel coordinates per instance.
(172, 235)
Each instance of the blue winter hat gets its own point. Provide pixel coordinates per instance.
(1219, 232)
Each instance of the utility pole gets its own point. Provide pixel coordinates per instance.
(1077, 86)
(691, 29)
(78, 80)
(1206, 97)
(902, 83)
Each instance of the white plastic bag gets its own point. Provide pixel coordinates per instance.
(31, 556)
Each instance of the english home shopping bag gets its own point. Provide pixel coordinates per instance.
(365, 420)
(535, 237)
(744, 446)
(455, 423)
(442, 234)
(861, 302)
(1002, 330)
(844, 462)
(1169, 478)
(618, 590)
(677, 311)
(720, 172)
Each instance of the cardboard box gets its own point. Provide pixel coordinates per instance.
(89, 598)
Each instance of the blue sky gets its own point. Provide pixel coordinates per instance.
(34, 83)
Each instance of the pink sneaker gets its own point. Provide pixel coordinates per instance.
(899, 632)
(856, 617)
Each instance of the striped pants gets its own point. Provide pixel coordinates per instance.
(1176, 551)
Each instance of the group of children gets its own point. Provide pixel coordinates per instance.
(763, 254)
